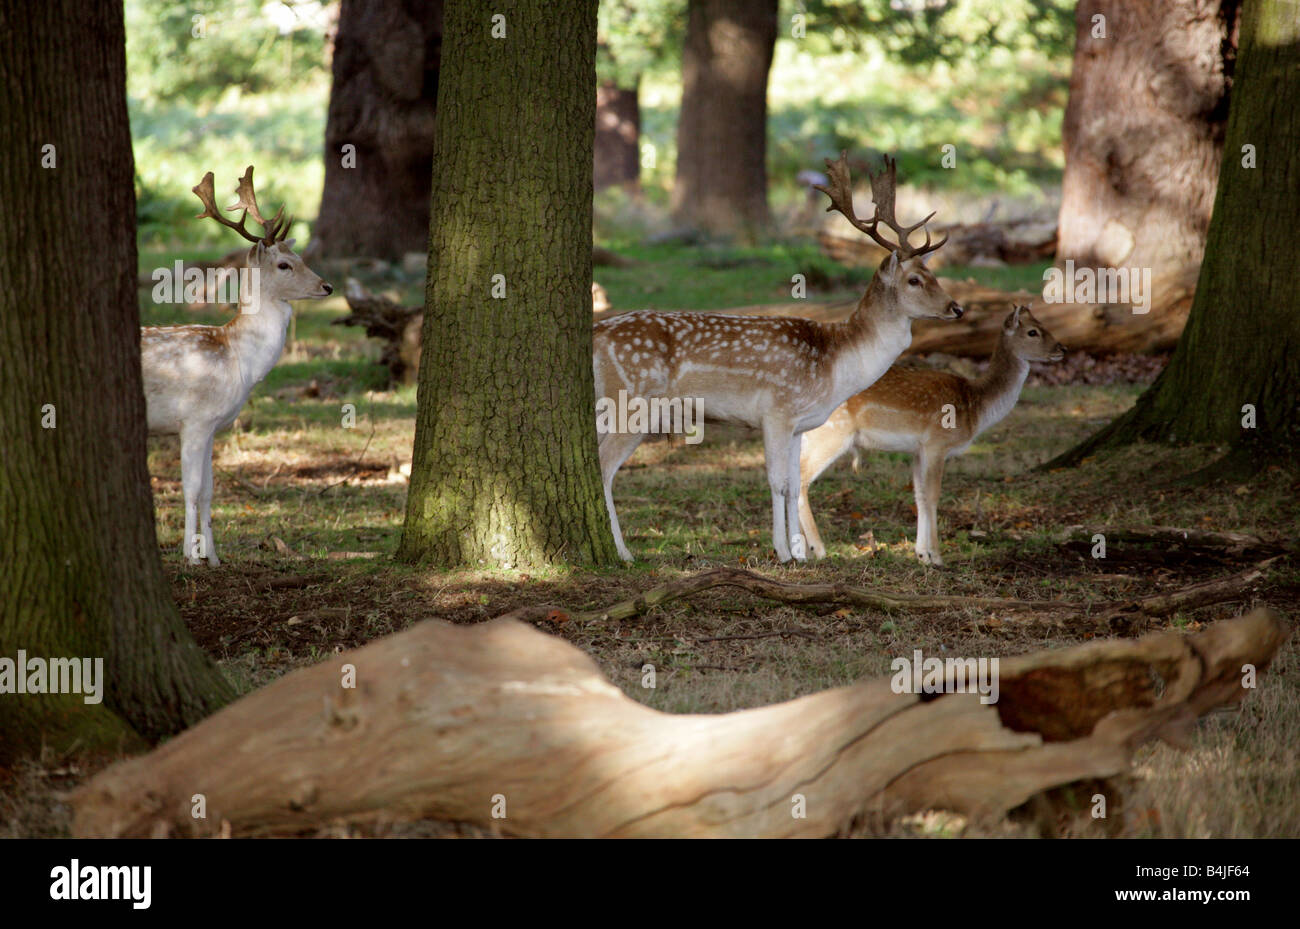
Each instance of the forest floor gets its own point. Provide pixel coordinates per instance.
(308, 512)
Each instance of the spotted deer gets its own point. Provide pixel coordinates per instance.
(198, 378)
(932, 415)
(782, 375)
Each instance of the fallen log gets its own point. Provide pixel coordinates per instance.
(1097, 328)
(504, 726)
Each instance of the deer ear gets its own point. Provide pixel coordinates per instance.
(891, 266)
(288, 243)
(1012, 320)
(256, 254)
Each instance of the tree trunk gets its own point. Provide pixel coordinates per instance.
(1235, 375)
(504, 726)
(618, 136)
(79, 563)
(721, 182)
(376, 196)
(1143, 131)
(505, 467)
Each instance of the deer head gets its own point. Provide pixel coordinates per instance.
(1028, 339)
(902, 279)
(282, 275)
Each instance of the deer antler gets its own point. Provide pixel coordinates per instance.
(275, 230)
(883, 188)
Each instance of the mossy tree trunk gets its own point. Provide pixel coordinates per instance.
(79, 570)
(1235, 375)
(505, 466)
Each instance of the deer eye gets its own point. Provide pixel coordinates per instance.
(914, 280)
(283, 266)
(1033, 333)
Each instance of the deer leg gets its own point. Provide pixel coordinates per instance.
(798, 541)
(816, 455)
(614, 449)
(927, 478)
(776, 451)
(193, 445)
(205, 506)
(808, 525)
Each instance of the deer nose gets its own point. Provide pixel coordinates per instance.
(955, 309)
(328, 288)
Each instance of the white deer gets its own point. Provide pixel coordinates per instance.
(198, 378)
(783, 375)
(933, 415)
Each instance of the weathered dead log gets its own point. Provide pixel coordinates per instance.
(460, 723)
(397, 328)
(1097, 328)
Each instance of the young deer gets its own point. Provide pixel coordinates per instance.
(931, 414)
(783, 375)
(197, 378)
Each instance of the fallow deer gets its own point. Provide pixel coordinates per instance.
(933, 415)
(198, 378)
(783, 375)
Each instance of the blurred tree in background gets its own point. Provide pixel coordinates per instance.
(722, 127)
(1144, 130)
(379, 134)
(632, 37)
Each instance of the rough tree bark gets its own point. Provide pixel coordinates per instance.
(618, 136)
(505, 467)
(383, 100)
(79, 566)
(1143, 131)
(1235, 375)
(1143, 136)
(457, 723)
(721, 184)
